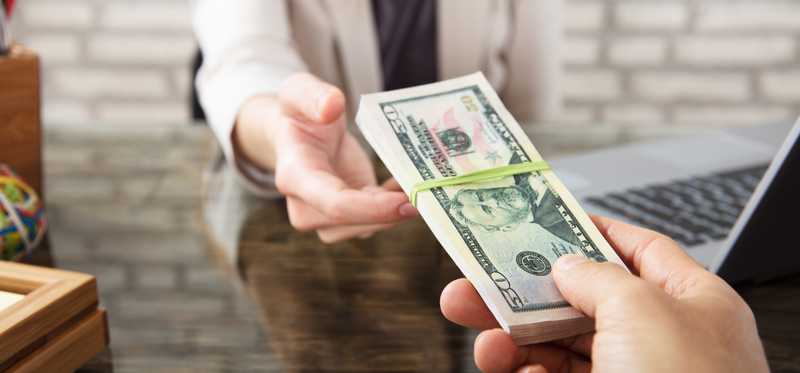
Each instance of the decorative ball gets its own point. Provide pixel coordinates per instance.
(22, 218)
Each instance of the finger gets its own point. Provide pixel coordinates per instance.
(461, 304)
(586, 284)
(654, 256)
(495, 351)
(392, 184)
(306, 96)
(337, 234)
(581, 344)
(532, 369)
(343, 206)
(555, 359)
(303, 217)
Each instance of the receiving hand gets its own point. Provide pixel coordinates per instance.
(674, 317)
(327, 178)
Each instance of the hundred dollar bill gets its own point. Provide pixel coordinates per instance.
(504, 234)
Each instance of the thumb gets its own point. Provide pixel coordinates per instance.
(307, 96)
(586, 284)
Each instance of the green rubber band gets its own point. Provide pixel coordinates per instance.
(482, 176)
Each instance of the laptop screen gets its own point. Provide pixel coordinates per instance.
(765, 243)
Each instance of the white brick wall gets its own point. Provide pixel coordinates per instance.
(110, 61)
(99, 84)
(648, 62)
(591, 85)
(57, 14)
(581, 50)
(748, 15)
(683, 62)
(54, 48)
(734, 50)
(140, 49)
(637, 51)
(149, 112)
(781, 86)
(633, 114)
(710, 115)
(146, 15)
(691, 86)
(651, 15)
(584, 15)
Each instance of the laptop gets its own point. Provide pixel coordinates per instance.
(731, 199)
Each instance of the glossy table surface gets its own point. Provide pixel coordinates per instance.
(367, 305)
(372, 305)
(359, 305)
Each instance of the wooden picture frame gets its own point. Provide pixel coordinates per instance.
(56, 326)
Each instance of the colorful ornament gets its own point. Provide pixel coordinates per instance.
(22, 218)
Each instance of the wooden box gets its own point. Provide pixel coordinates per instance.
(49, 319)
(20, 125)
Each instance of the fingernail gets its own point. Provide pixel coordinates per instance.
(532, 369)
(478, 339)
(568, 262)
(407, 210)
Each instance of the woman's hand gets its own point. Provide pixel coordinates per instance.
(326, 176)
(674, 317)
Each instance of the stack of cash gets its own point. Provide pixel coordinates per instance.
(504, 233)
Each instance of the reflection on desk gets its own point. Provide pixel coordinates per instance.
(372, 305)
(360, 305)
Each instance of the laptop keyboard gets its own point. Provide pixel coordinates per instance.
(691, 211)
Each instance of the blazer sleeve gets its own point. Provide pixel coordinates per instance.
(247, 50)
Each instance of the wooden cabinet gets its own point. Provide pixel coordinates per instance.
(20, 123)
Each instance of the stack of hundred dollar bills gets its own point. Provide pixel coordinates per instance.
(504, 234)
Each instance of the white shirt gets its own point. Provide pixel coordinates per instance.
(251, 46)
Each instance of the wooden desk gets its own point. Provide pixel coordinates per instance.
(368, 306)
(372, 305)
(20, 129)
(360, 305)
(776, 305)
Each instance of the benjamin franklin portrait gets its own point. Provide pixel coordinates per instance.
(506, 208)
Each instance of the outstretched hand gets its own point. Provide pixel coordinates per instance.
(327, 178)
(674, 317)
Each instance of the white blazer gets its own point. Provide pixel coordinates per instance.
(251, 46)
